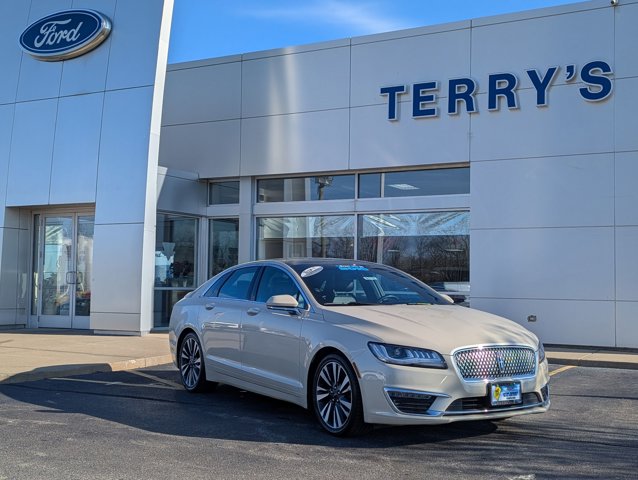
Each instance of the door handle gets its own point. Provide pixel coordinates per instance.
(252, 311)
(209, 306)
(72, 281)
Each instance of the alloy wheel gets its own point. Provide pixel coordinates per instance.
(190, 362)
(333, 395)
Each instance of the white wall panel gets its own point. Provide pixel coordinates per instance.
(376, 142)
(295, 143)
(626, 102)
(6, 129)
(202, 94)
(9, 248)
(404, 61)
(12, 23)
(626, 191)
(296, 83)
(568, 126)
(30, 161)
(543, 192)
(626, 21)
(627, 324)
(547, 263)
(556, 40)
(181, 195)
(133, 62)
(208, 149)
(558, 321)
(123, 158)
(87, 73)
(8, 316)
(39, 79)
(117, 256)
(76, 148)
(627, 263)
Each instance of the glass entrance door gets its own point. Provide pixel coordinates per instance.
(62, 267)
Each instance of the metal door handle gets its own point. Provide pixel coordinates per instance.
(72, 281)
(209, 306)
(252, 311)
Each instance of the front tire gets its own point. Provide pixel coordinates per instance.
(191, 364)
(336, 397)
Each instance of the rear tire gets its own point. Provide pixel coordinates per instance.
(336, 397)
(192, 371)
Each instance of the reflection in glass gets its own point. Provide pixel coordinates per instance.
(175, 251)
(327, 187)
(223, 193)
(295, 237)
(443, 181)
(36, 268)
(433, 247)
(223, 244)
(56, 271)
(370, 185)
(84, 265)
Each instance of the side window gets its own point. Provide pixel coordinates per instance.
(213, 290)
(238, 284)
(278, 282)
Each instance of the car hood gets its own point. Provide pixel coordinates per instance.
(438, 327)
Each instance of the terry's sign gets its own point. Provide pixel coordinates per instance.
(65, 35)
(501, 88)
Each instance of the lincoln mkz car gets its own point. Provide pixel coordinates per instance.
(357, 343)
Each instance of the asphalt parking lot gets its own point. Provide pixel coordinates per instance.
(141, 424)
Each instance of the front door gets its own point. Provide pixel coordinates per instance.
(62, 269)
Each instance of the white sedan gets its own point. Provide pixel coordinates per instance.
(358, 343)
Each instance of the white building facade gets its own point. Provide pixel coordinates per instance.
(494, 158)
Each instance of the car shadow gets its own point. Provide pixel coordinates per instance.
(156, 404)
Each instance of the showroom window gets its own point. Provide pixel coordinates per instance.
(311, 236)
(433, 247)
(175, 263)
(223, 193)
(328, 187)
(223, 244)
(440, 181)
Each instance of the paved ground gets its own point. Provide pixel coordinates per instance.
(142, 425)
(37, 354)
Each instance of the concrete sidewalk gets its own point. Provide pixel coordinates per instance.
(27, 355)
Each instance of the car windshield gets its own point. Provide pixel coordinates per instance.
(364, 284)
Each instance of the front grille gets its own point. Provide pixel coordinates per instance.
(490, 363)
(414, 403)
(483, 403)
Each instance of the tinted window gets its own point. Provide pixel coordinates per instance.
(238, 284)
(364, 284)
(277, 282)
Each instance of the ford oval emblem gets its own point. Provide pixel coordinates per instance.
(65, 35)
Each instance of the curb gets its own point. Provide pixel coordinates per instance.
(53, 371)
(598, 363)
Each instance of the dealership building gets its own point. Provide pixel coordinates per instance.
(493, 158)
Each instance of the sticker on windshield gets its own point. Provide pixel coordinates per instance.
(351, 268)
(309, 272)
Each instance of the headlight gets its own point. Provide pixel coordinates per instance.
(411, 356)
(541, 352)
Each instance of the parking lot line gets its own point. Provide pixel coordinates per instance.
(562, 369)
(174, 385)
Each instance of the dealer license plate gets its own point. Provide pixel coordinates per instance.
(505, 393)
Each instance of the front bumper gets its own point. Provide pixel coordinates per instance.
(443, 395)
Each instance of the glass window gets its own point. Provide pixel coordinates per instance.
(370, 185)
(238, 284)
(277, 282)
(327, 187)
(295, 237)
(433, 247)
(223, 245)
(444, 181)
(223, 193)
(163, 305)
(175, 251)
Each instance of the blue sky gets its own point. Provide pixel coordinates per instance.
(215, 28)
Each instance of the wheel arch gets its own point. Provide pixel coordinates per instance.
(319, 355)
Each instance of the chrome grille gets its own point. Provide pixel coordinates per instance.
(489, 363)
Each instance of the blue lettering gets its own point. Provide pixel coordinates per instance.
(502, 85)
(419, 98)
(393, 93)
(593, 75)
(465, 95)
(542, 84)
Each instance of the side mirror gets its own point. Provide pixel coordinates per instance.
(282, 301)
(447, 297)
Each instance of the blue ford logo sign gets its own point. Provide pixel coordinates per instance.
(65, 35)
